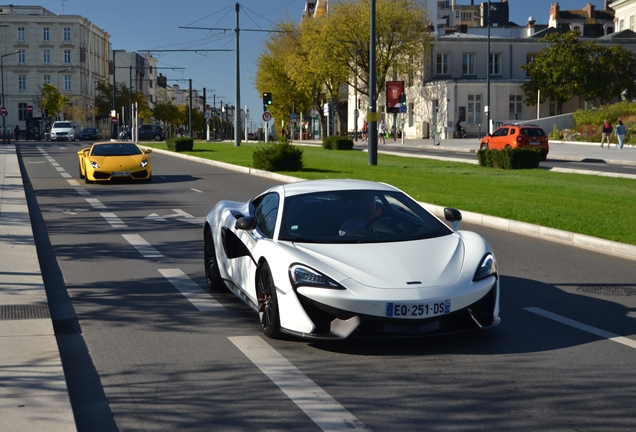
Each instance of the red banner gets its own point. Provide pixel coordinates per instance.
(393, 91)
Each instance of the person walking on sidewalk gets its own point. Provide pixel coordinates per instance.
(16, 132)
(620, 133)
(382, 131)
(606, 133)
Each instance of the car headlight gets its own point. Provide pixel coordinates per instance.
(301, 275)
(94, 164)
(488, 267)
(144, 163)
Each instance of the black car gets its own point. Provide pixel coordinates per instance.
(90, 134)
(146, 132)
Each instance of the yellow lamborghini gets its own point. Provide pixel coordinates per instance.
(111, 160)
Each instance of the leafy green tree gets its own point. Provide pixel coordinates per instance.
(51, 101)
(590, 70)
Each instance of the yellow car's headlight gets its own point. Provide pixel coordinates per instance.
(94, 164)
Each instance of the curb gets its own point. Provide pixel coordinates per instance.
(581, 241)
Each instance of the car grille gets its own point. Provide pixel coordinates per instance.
(101, 176)
(140, 174)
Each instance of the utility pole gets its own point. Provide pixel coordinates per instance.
(237, 96)
(372, 126)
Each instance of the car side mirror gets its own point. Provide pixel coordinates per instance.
(148, 150)
(453, 216)
(245, 223)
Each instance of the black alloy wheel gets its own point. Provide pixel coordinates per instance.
(212, 274)
(267, 302)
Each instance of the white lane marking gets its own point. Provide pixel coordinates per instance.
(142, 246)
(113, 220)
(197, 190)
(82, 191)
(586, 328)
(191, 291)
(323, 409)
(66, 175)
(95, 203)
(194, 221)
(155, 217)
(73, 182)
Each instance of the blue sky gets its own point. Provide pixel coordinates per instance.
(136, 25)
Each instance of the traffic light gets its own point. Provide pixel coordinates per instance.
(403, 99)
(267, 98)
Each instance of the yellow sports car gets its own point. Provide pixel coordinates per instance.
(110, 160)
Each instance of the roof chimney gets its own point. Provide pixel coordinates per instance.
(589, 8)
(530, 27)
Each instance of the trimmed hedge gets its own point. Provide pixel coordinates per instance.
(278, 156)
(508, 158)
(336, 142)
(180, 144)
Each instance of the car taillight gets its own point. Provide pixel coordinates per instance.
(519, 138)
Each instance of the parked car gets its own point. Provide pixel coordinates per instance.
(146, 132)
(90, 134)
(323, 259)
(62, 131)
(517, 136)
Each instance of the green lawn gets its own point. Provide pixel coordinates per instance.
(597, 206)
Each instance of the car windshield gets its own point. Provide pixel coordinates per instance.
(115, 150)
(357, 216)
(66, 125)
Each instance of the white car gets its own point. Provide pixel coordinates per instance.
(62, 131)
(326, 259)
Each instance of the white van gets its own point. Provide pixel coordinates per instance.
(62, 131)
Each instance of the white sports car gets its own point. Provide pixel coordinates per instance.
(326, 258)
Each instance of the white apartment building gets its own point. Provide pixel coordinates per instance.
(39, 47)
(624, 14)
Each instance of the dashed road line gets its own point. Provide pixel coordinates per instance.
(142, 246)
(191, 291)
(323, 409)
(113, 220)
(586, 328)
(96, 203)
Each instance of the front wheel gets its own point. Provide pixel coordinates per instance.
(484, 146)
(267, 302)
(212, 274)
(81, 176)
(157, 137)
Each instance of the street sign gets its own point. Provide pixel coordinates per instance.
(206, 115)
(314, 113)
(29, 109)
(402, 109)
(267, 116)
(113, 120)
(3, 111)
(293, 116)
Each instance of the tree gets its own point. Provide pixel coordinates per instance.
(569, 68)
(51, 101)
(104, 101)
(76, 112)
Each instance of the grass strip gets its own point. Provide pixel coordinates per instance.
(602, 207)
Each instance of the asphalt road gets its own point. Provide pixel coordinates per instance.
(163, 353)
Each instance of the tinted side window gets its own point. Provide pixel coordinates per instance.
(501, 132)
(266, 211)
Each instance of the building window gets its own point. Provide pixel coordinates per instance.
(68, 82)
(442, 64)
(21, 34)
(22, 113)
(474, 109)
(21, 57)
(46, 79)
(46, 56)
(67, 34)
(529, 60)
(553, 107)
(67, 57)
(435, 112)
(46, 34)
(468, 64)
(516, 107)
(495, 64)
(631, 23)
(457, 14)
(411, 115)
(21, 82)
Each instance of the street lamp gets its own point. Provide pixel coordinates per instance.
(2, 104)
(488, 74)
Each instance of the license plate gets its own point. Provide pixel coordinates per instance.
(417, 310)
(121, 173)
(534, 143)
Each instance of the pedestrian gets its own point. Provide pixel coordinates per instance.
(393, 132)
(620, 133)
(382, 131)
(16, 132)
(365, 125)
(606, 134)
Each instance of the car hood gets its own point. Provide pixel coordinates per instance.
(409, 264)
(117, 162)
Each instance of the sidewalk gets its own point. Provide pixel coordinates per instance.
(33, 392)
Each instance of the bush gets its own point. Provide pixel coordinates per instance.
(278, 156)
(180, 144)
(520, 158)
(556, 135)
(337, 143)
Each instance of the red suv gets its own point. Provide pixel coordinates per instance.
(517, 136)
